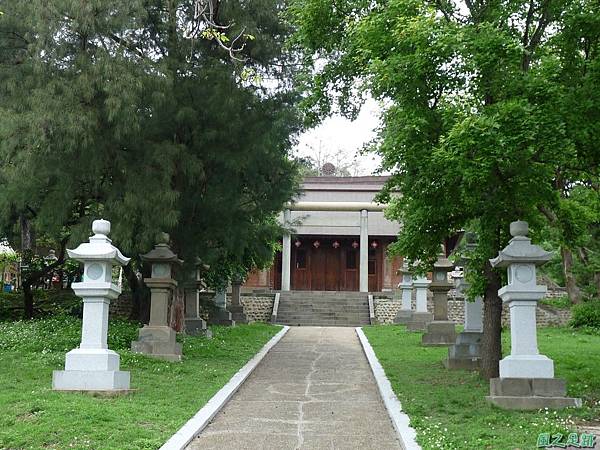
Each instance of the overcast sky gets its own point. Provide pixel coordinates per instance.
(339, 134)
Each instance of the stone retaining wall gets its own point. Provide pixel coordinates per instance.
(258, 308)
(121, 307)
(386, 309)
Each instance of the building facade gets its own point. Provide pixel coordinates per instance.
(338, 241)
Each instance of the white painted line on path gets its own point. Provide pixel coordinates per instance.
(196, 424)
(406, 434)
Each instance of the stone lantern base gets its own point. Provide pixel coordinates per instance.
(419, 321)
(465, 354)
(197, 327)
(530, 393)
(91, 370)
(403, 316)
(221, 316)
(158, 342)
(439, 333)
(237, 314)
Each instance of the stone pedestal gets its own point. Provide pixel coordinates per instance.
(159, 342)
(236, 308)
(530, 393)
(404, 314)
(439, 334)
(93, 367)
(194, 324)
(526, 378)
(220, 315)
(421, 317)
(158, 339)
(465, 354)
(466, 351)
(419, 321)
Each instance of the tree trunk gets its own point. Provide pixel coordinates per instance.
(27, 244)
(491, 343)
(570, 283)
(140, 296)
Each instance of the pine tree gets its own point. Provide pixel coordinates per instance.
(117, 109)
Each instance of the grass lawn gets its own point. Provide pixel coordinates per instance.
(34, 416)
(448, 408)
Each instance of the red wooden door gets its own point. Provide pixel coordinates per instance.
(350, 261)
(300, 266)
(375, 269)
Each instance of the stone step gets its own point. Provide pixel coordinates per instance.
(323, 308)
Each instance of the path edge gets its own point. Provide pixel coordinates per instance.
(400, 420)
(198, 422)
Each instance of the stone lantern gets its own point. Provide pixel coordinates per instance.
(157, 338)
(220, 315)
(421, 317)
(441, 331)
(405, 312)
(92, 366)
(465, 353)
(236, 308)
(526, 378)
(194, 324)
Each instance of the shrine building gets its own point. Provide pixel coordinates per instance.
(338, 241)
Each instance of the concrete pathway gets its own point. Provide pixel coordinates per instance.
(314, 390)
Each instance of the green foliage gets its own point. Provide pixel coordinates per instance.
(487, 116)
(34, 416)
(562, 302)
(46, 303)
(111, 110)
(586, 315)
(440, 402)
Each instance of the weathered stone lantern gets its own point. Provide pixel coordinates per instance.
(158, 339)
(441, 331)
(526, 378)
(92, 366)
(194, 324)
(236, 308)
(220, 315)
(465, 353)
(405, 312)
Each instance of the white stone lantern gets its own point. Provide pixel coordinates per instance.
(420, 317)
(522, 293)
(92, 366)
(526, 378)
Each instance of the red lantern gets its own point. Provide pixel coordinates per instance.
(374, 244)
(297, 243)
(336, 244)
(316, 244)
(355, 244)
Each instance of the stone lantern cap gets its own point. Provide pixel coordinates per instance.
(162, 253)
(520, 250)
(443, 264)
(99, 247)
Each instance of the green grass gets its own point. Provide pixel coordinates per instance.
(448, 408)
(33, 416)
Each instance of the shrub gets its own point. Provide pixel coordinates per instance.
(562, 302)
(586, 315)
